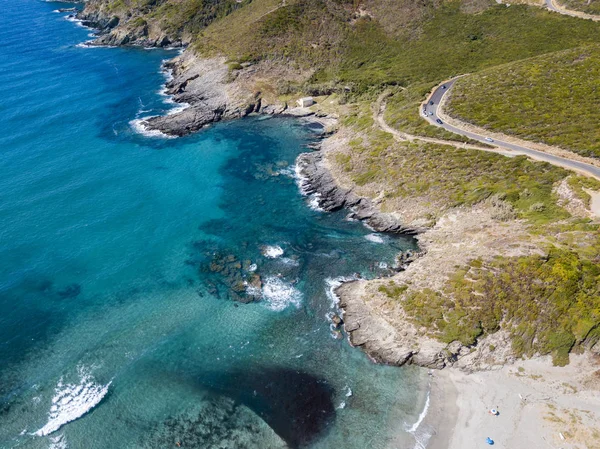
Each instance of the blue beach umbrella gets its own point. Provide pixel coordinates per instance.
(489, 441)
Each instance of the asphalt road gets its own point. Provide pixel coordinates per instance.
(517, 150)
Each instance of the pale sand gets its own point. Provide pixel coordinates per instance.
(554, 401)
(595, 202)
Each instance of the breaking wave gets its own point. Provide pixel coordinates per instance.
(272, 251)
(71, 401)
(375, 238)
(138, 126)
(420, 434)
(279, 295)
(333, 283)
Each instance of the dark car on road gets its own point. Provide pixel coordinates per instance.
(439, 121)
(431, 103)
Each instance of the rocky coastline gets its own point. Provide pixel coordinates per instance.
(363, 322)
(115, 29)
(203, 85)
(210, 91)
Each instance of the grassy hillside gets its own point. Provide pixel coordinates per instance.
(361, 46)
(553, 99)
(452, 41)
(446, 177)
(402, 112)
(549, 305)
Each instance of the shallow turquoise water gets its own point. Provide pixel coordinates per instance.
(117, 324)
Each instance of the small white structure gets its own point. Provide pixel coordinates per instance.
(306, 102)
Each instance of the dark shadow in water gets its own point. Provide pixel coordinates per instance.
(296, 405)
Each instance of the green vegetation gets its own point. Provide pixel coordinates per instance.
(579, 184)
(445, 176)
(586, 6)
(554, 99)
(191, 16)
(307, 32)
(549, 304)
(433, 43)
(451, 41)
(175, 17)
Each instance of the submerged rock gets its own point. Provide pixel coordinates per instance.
(336, 320)
(295, 404)
(217, 423)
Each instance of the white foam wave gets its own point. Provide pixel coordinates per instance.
(180, 107)
(71, 401)
(333, 283)
(279, 295)
(72, 18)
(272, 251)
(58, 442)
(304, 187)
(375, 238)
(422, 415)
(313, 202)
(348, 391)
(138, 126)
(90, 44)
(288, 171)
(420, 435)
(168, 98)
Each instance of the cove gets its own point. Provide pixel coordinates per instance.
(126, 262)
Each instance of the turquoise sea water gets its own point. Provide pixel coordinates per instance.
(120, 255)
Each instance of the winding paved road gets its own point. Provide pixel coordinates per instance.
(553, 6)
(514, 149)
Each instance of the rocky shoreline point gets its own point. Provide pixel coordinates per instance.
(365, 326)
(115, 30)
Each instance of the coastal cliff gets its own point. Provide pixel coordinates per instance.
(489, 227)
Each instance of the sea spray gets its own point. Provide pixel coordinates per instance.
(303, 183)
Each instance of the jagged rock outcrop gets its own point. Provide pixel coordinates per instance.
(370, 331)
(202, 84)
(316, 179)
(125, 28)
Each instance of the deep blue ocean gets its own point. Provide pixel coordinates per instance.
(123, 260)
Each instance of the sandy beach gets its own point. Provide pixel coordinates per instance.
(540, 406)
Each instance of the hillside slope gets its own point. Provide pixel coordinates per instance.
(554, 99)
